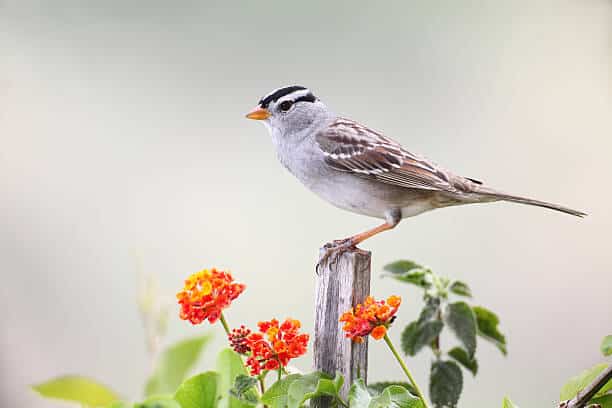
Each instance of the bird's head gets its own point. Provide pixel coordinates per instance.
(289, 110)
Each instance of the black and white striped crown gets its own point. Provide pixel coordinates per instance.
(295, 93)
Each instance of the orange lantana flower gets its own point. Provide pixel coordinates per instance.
(206, 294)
(379, 332)
(272, 347)
(370, 318)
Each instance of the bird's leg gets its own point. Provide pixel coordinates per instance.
(340, 246)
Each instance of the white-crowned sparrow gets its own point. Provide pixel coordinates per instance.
(361, 170)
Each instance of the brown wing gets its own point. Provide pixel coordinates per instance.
(349, 146)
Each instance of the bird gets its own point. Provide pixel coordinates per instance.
(362, 170)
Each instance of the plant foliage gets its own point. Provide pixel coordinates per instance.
(466, 322)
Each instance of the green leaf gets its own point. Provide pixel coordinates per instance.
(77, 389)
(158, 402)
(605, 401)
(445, 384)
(119, 404)
(358, 396)
(462, 357)
(378, 387)
(402, 266)
(415, 336)
(243, 389)
(276, 395)
(579, 382)
(409, 272)
(430, 309)
(508, 404)
(174, 364)
(460, 318)
(393, 396)
(200, 391)
(313, 385)
(606, 345)
(295, 389)
(487, 322)
(229, 366)
(461, 289)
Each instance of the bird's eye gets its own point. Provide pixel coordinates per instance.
(285, 105)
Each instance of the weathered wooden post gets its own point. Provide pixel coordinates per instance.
(341, 284)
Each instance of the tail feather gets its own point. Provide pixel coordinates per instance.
(496, 195)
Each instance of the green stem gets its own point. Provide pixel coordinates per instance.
(261, 377)
(224, 323)
(344, 404)
(436, 342)
(405, 368)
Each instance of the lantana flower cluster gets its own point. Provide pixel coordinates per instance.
(272, 347)
(370, 318)
(206, 293)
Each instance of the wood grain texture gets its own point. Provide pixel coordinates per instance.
(340, 285)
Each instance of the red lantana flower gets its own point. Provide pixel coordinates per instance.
(206, 294)
(370, 318)
(272, 347)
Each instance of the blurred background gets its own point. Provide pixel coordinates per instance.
(124, 151)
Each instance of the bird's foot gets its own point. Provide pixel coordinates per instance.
(333, 250)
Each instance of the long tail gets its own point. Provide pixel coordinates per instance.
(496, 195)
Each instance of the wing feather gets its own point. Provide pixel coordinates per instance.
(349, 146)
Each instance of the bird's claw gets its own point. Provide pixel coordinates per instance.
(333, 250)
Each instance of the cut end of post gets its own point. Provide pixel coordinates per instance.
(330, 261)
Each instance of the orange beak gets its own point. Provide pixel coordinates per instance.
(258, 113)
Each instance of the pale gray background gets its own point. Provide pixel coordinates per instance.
(122, 133)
